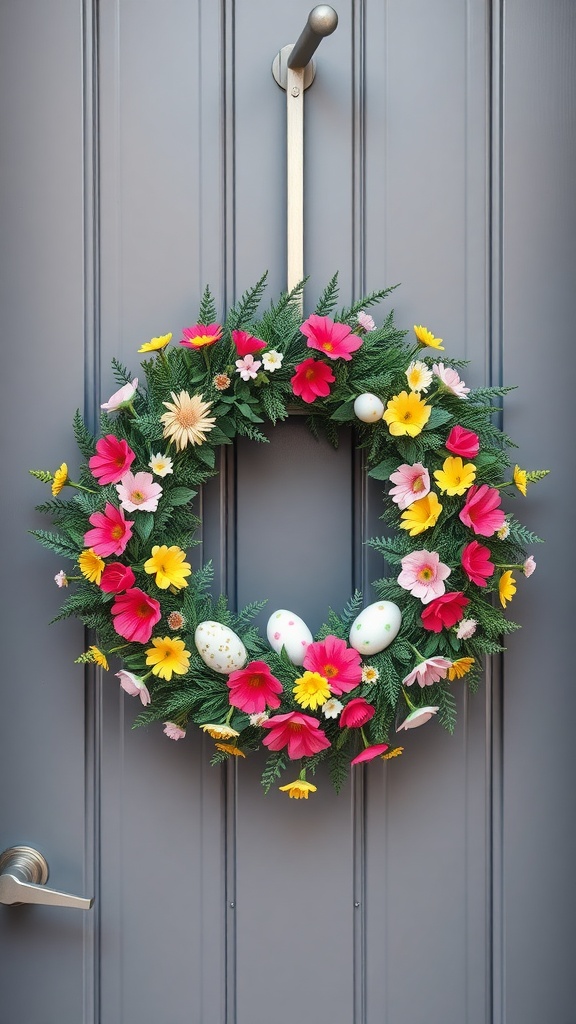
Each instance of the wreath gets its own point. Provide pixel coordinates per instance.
(453, 554)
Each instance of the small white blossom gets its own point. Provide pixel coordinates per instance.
(504, 531)
(529, 566)
(466, 629)
(259, 718)
(332, 708)
(272, 360)
(161, 464)
(418, 375)
(369, 674)
(61, 579)
(366, 321)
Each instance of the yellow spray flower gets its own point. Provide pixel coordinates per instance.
(169, 565)
(311, 690)
(168, 655)
(460, 668)
(395, 752)
(91, 565)
(426, 338)
(98, 657)
(220, 732)
(506, 587)
(298, 790)
(60, 479)
(229, 748)
(520, 479)
(156, 343)
(406, 413)
(455, 477)
(421, 515)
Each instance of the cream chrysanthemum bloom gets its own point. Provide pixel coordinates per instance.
(186, 421)
(220, 732)
(418, 375)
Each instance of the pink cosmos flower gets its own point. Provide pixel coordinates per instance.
(312, 380)
(529, 566)
(335, 340)
(254, 688)
(246, 343)
(481, 510)
(116, 578)
(423, 574)
(135, 615)
(134, 686)
(369, 753)
(365, 321)
(111, 531)
(445, 611)
(248, 367)
(300, 733)
(137, 491)
(451, 380)
(463, 442)
(412, 482)
(356, 713)
(121, 398)
(113, 458)
(340, 665)
(476, 563)
(416, 718)
(428, 672)
(466, 629)
(201, 335)
(61, 579)
(173, 731)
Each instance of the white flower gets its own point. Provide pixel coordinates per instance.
(161, 464)
(332, 708)
(416, 718)
(366, 321)
(61, 579)
(272, 360)
(369, 674)
(259, 718)
(529, 566)
(248, 367)
(504, 531)
(466, 629)
(418, 375)
(451, 380)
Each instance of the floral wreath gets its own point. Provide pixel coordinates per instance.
(369, 672)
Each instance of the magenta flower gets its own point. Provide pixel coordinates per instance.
(248, 367)
(463, 442)
(412, 482)
(416, 718)
(476, 563)
(111, 531)
(113, 458)
(356, 713)
(254, 688)
(481, 511)
(300, 733)
(451, 380)
(121, 398)
(173, 731)
(335, 340)
(340, 665)
(137, 491)
(444, 611)
(134, 686)
(247, 344)
(423, 574)
(135, 615)
(201, 335)
(369, 753)
(312, 380)
(116, 578)
(428, 672)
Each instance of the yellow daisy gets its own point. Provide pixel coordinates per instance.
(460, 668)
(520, 479)
(506, 587)
(220, 732)
(91, 565)
(60, 479)
(421, 515)
(311, 690)
(455, 477)
(98, 657)
(298, 790)
(406, 413)
(186, 421)
(229, 748)
(156, 343)
(169, 565)
(426, 338)
(167, 656)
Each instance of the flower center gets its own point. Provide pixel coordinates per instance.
(310, 374)
(143, 611)
(295, 727)
(407, 416)
(329, 671)
(328, 346)
(116, 532)
(137, 497)
(418, 485)
(426, 574)
(186, 417)
(255, 681)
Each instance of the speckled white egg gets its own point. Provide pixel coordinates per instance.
(220, 647)
(368, 408)
(376, 627)
(287, 630)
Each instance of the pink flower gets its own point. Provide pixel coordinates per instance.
(529, 566)
(201, 335)
(369, 753)
(136, 614)
(451, 380)
(134, 686)
(412, 482)
(463, 442)
(466, 629)
(254, 688)
(113, 458)
(137, 491)
(340, 665)
(423, 574)
(416, 718)
(173, 731)
(300, 733)
(428, 672)
(111, 531)
(121, 398)
(248, 367)
(356, 713)
(61, 579)
(335, 340)
(476, 564)
(312, 380)
(246, 343)
(445, 611)
(116, 578)
(481, 510)
(365, 321)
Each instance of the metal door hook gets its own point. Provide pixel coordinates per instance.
(297, 56)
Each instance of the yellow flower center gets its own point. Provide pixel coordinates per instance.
(418, 485)
(254, 681)
(117, 532)
(137, 497)
(425, 574)
(328, 346)
(295, 727)
(309, 374)
(329, 671)
(186, 417)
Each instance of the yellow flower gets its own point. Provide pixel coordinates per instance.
(229, 748)
(421, 515)
(395, 752)
(91, 565)
(506, 587)
(455, 477)
(520, 479)
(98, 657)
(460, 668)
(169, 566)
(426, 338)
(220, 732)
(156, 343)
(168, 655)
(311, 690)
(186, 421)
(298, 790)
(406, 413)
(60, 479)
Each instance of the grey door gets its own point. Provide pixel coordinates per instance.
(142, 155)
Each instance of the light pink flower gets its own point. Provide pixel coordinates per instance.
(466, 629)
(451, 380)
(173, 731)
(366, 321)
(423, 574)
(412, 483)
(427, 672)
(61, 579)
(529, 566)
(335, 340)
(121, 398)
(111, 531)
(134, 686)
(416, 718)
(137, 491)
(248, 367)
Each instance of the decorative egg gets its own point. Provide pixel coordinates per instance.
(287, 630)
(220, 647)
(376, 627)
(368, 408)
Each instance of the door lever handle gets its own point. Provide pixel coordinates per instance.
(23, 874)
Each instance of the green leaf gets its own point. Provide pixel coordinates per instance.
(144, 526)
(181, 495)
(437, 418)
(344, 412)
(383, 470)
